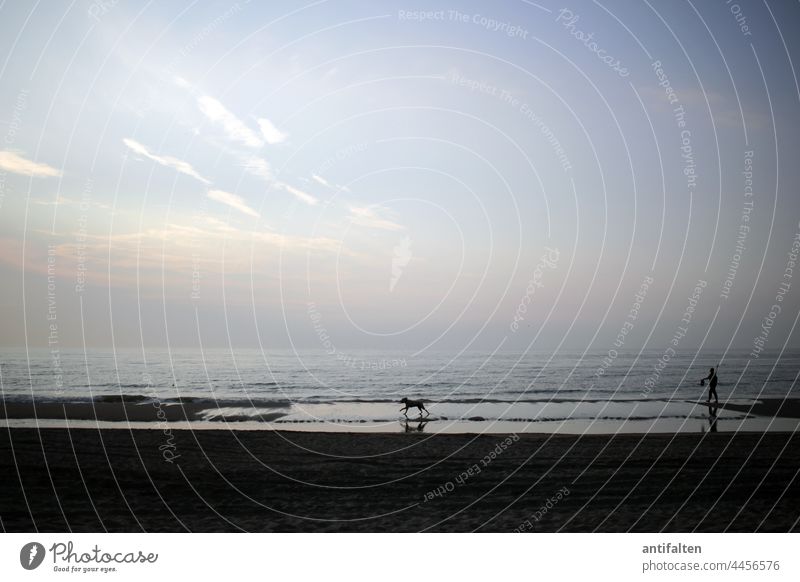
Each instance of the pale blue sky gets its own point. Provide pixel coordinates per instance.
(216, 166)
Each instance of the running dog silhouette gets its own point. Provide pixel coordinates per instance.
(413, 404)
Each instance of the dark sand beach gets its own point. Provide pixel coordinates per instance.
(219, 480)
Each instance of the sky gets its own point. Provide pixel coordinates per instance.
(399, 175)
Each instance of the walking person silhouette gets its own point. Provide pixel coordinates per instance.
(712, 385)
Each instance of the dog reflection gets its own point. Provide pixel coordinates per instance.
(418, 426)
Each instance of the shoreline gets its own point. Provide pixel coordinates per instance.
(541, 417)
(226, 480)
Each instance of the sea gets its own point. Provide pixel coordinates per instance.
(569, 392)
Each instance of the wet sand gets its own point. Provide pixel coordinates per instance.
(773, 407)
(133, 410)
(218, 480)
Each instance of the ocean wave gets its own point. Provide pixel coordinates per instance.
(124, 398)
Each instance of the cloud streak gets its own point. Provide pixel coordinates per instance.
(299, 194)
(235, 129)
(234, 201)
(369, 218)
(324, 182)
(257, 167)
(168, 161)
(16, 164)
(271, 133)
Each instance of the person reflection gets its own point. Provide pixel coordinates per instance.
(712, 417)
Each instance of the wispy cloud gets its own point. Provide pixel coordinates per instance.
(402, 255)
(724, 109)
(271, 133)
(299, 194)
(181, 82)
(16, 164)
(257, 167)
(232, 200)
(329, 74)
(164, 254)
(232, 125)
(168, 161)
(371, 219)
(64, 201)
(331, 185)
